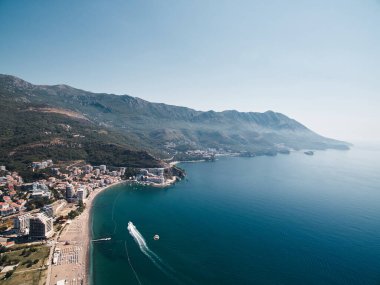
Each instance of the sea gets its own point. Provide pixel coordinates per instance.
(290, 219)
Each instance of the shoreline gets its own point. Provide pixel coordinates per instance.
(87, 235)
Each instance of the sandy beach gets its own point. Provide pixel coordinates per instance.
(73, 266)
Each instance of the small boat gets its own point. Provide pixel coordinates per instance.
(156, 237)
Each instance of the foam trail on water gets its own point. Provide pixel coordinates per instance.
(142, 243)
(130, 263)
(149, 253)
(100, 239)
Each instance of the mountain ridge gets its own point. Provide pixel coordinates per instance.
(65, 87)
(154, 126)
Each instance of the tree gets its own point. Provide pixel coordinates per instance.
(3, 259)
(2, 249)
(72, 214)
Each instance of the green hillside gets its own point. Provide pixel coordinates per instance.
(31, 132)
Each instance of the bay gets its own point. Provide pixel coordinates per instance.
(289, 219)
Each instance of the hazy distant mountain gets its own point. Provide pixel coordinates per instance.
(141, 125)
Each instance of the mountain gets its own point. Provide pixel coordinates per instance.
(36, 115)
(34, 131)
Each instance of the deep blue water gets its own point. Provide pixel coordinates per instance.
(290, 219)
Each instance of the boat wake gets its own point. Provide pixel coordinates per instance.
(101, 239)
(149, 253)
(130, 263)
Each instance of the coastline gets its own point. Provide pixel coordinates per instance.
(87, 234)
(86, 218)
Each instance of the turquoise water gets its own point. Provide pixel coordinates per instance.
(290, 219)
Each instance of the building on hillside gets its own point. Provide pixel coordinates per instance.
(42, 164)
(55, 171)
(101, 183)
(156, 171)
(40, 226)
(21, 224)
(39, 194)
(151, 175)
(34, 186)
(103, 167)
(88, 168)
(155, 179)
(6, 209)
(52, 179)
(70, 193)
(16, 207)
(6, 242)
(52, 209)
(3, 181)
(7, 199)
(48, 210)
(82, 193)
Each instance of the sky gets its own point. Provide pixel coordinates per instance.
(315, 61)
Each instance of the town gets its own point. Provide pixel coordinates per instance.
(48, 217)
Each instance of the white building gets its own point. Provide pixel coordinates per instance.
(21, 223)
(38, 194)
(49, 210)
(5, 209)
(156, 179)
(88, 168)
(70, 193)
(156, 171)
(152, 175)
(82, 194)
